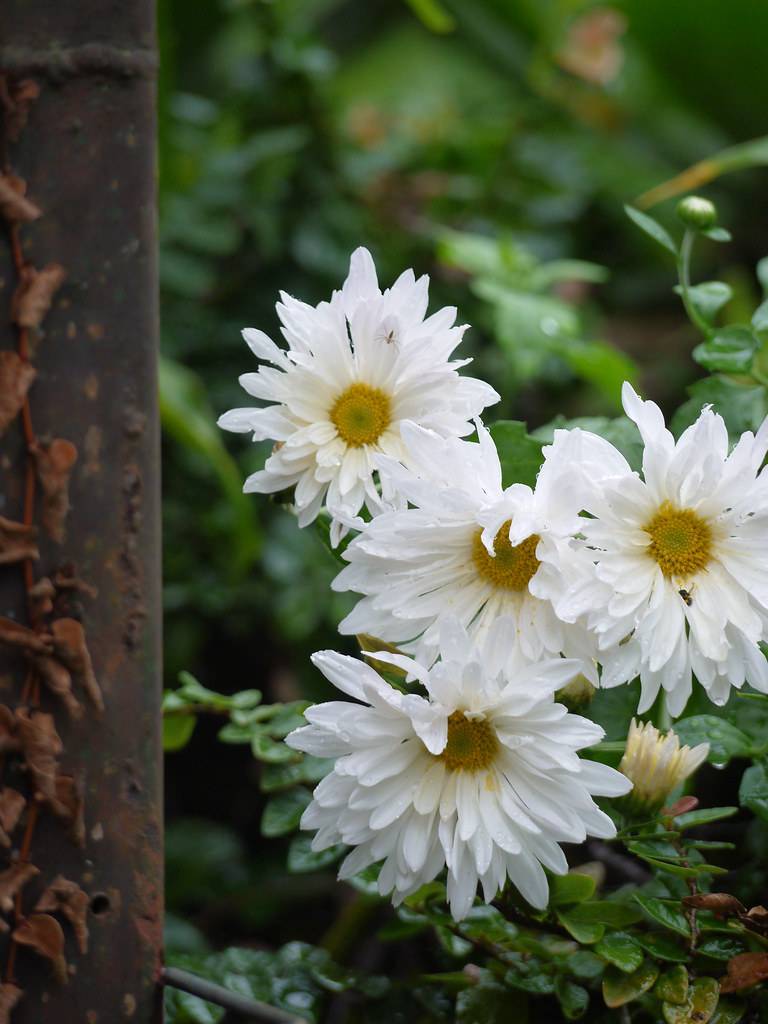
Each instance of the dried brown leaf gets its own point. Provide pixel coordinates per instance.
(16, 376)
(13, 880)
(43, 934)
(17, 540)
(14, 205)
(745, 970)
(12, 804)
(70, 646)
(681, 806)
(69, 806)
(9, 997)
(34, 294)
(67, 898)
(9, 741)
(719, 903)
(59, 681)
(42, 746)
(756, 919)
(14, 634)
(21, 96)
(54, 465)
(42, 594)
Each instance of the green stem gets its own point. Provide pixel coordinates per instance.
(684, 274)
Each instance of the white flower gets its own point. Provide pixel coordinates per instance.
(355, 368)
(468, 547)
(480, 776)
(680, 581)
(656, 764)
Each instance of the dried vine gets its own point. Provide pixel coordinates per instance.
(51, 646)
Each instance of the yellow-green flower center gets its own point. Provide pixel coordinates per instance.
(512, 566)
(681, 541)
(361, 414)
(472, 744)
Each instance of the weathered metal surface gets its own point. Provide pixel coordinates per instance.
(87, 154)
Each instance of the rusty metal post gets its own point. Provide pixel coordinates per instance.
(87, 155)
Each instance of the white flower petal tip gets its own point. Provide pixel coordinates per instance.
(481, 777)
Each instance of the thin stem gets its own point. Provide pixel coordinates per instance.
(684, 274)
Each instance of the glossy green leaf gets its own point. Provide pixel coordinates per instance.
(760, 317)
(484, 922)
(652, 228)
(573, 998)
(742, 405)
(309, 770)
(753, 791)
(433, 15)
(283, 812)
(725, 740)
(672, 986)
(490, 1003)
(177, 731)
(586, 932)
(718, 234)
(570, 888)
(583, 964)
(720, 947)
(520, 454)
(709, 297)
(703, 816)
(606, 912)
(665, 912)
(302, 858)
(620, 988)
(264, 748)
(729, 1011)
(662, 947)
(699, 1005)
(621, 950)
(729, 350)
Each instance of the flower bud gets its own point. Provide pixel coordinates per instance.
(656, 764)
(697, 213)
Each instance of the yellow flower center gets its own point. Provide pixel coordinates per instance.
(472, 744)
(361, 414)
(681, 541)
(512, 567)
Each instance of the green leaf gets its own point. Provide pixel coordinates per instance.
(283, 812)
(586, 932)
(699, 1005)
(520, 454)
(672, 986)
(537, 982)
(662, 947)
(708, 298)
(302, 858)
(485, 922)
(753, 791)
(489, 1002)
(703, 816)
(433, 15)
(762, 274)
(573, 999)
(570, 888)
(664, 912)
(729, 1011)
(729, 350)
(266, 749)
(718, 234)
(614, 709)
(600, 363)
(583, 964)
(721, 947)
(607, 912)
(177, 731)
(760, 317)
(282, 776)
(742, 406)
(725, 740)
(620, 988)
(621, 950)
(652, 228)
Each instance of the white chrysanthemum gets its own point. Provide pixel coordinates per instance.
(467, 547)
(680, 581)
(656, 764)
(481, 776)
(355, 368)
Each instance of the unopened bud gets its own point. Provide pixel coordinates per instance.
(697, 213)
(656, 764)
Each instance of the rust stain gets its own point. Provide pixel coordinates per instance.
(92, 451)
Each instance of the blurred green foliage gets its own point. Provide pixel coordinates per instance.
(492, 144)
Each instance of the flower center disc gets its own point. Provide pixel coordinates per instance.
(681, 541)
(472, 744)
(512, 567)
(361, 414)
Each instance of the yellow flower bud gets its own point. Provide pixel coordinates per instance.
(656, 764)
